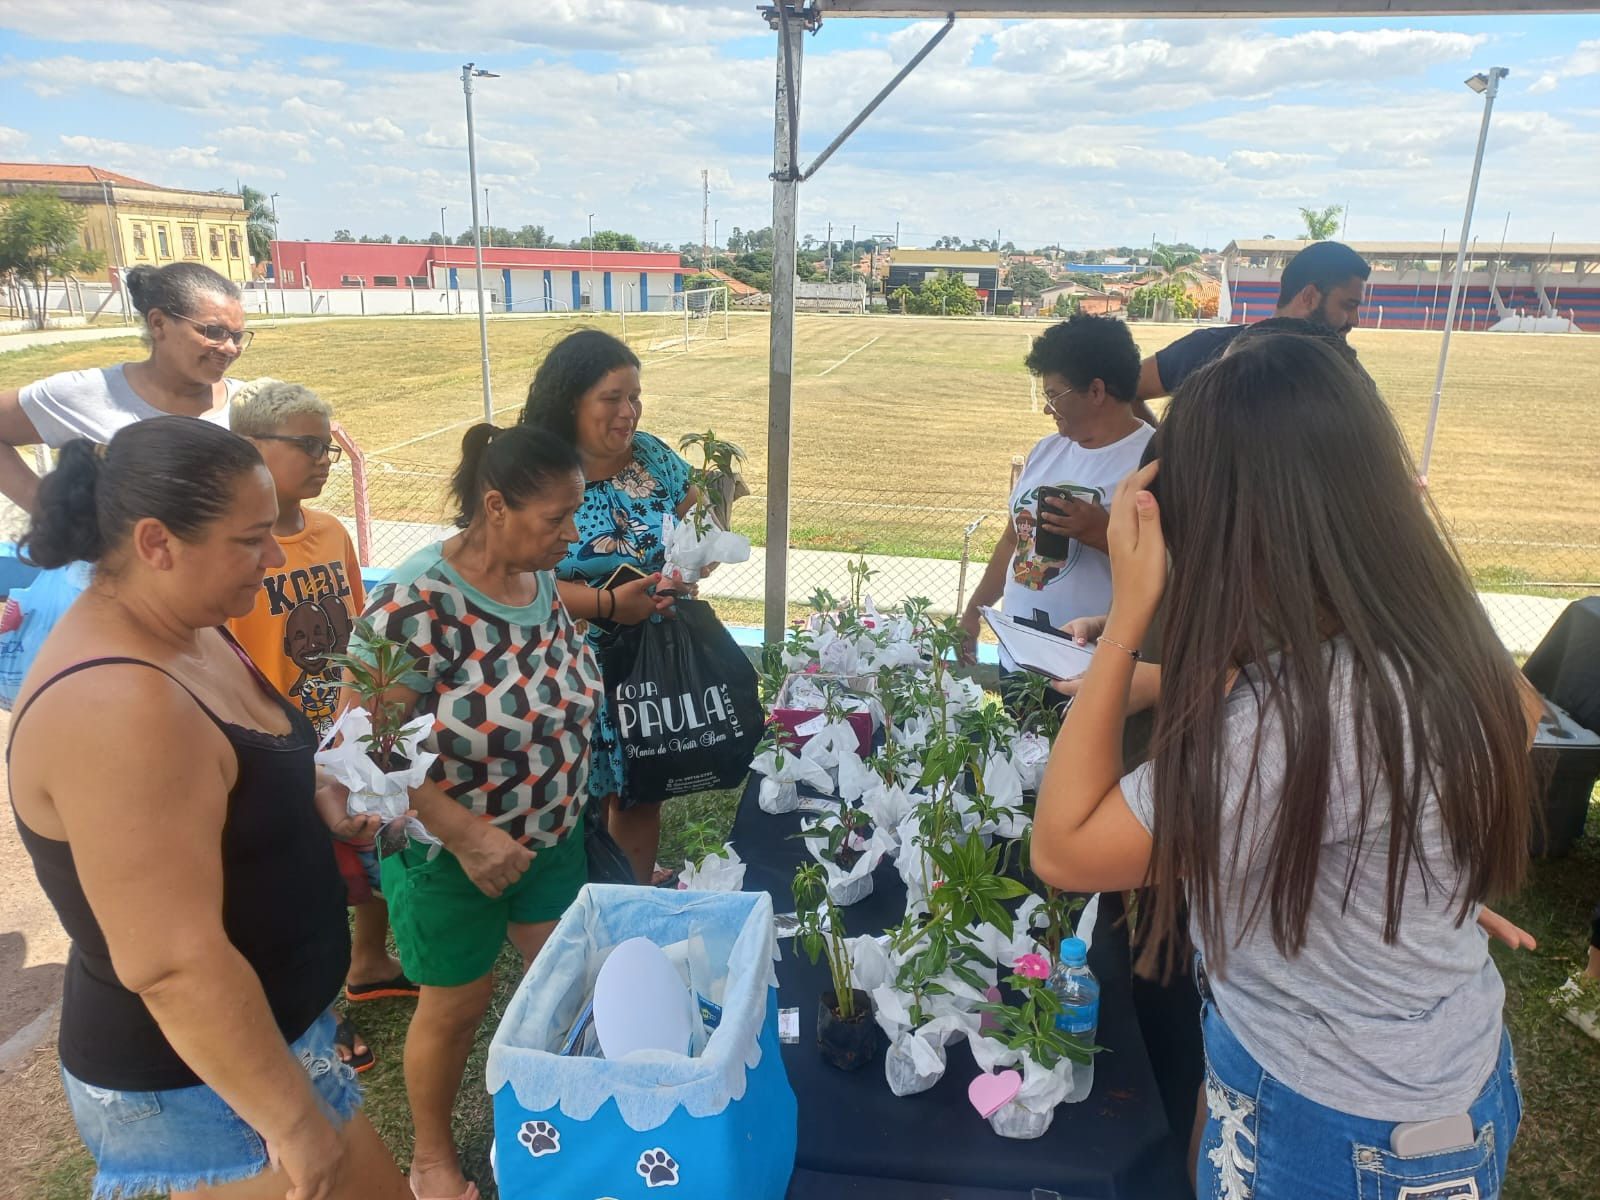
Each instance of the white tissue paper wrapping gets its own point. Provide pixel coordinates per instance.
(855, 777)
(963, 695)
(1004, 785)
(887, 805)
(912, 732)
(715, 873)
(779, 792)
(908, 861)
(689, 552)
(1029, 1113)
(847, 887)
(372, 792)
(1029, 755)
(828, 744)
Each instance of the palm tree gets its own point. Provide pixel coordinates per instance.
(1171, 265)
(260, 225)
(1320, 226)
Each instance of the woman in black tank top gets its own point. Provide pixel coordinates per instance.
(165, 794)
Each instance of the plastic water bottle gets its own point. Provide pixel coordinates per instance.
(1079, 992)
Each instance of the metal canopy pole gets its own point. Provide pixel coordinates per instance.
(468, 73)
(791, 28)
(1490, 88)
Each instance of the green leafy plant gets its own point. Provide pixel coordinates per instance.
(1029, 1025)
(836, 829)
(861, 574)
(370, 675)
(719, 461)
(704, 840)
(819, 930)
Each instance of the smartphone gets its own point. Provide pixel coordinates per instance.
(626, 573)
(1432, 1137)
(1055, 545)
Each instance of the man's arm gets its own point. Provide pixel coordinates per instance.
(1150, 387)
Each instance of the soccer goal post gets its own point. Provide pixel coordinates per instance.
(676, 321)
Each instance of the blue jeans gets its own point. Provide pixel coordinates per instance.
(1265, 1142)
(183, 1139)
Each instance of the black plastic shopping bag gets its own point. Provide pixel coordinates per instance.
(688, 712)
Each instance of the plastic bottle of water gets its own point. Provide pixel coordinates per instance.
(1079, 992)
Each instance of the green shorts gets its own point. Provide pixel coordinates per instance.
(448, 932)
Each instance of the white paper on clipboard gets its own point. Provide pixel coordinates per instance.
(1033, 650)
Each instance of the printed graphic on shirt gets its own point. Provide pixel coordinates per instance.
(1031, 569)
(314, 603)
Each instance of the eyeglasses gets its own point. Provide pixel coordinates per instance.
(1051, 399)
(217, 334)
(313, 447)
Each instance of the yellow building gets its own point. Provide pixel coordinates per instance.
(153, 225)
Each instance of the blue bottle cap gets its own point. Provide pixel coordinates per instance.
(1073, 952)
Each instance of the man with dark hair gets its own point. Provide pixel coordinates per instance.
(1323, 283)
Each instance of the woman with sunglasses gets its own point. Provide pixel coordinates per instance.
(1052, 554)
(194, 327)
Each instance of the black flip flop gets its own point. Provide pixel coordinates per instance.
(382, 989)
(345, 1035)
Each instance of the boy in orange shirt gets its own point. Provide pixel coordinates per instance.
(304, 612)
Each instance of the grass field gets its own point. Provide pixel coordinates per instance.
(904, 428)
(896, 448)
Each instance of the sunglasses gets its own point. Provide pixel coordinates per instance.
(1051, 399)
(314, 447)
(217, 334)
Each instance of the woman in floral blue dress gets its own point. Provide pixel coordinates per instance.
(587, 391)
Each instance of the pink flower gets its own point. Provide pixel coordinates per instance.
(813, 668)
(1032, 966)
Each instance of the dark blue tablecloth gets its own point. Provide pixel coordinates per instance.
(857, 1138)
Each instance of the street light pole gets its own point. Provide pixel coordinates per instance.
(277, 274)
(468, 73)
(591, 262)
(488, 219)
(444, 235)
(1488, 86)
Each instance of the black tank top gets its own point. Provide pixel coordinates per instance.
(282, 906)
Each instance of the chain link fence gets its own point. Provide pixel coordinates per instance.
(929, 543)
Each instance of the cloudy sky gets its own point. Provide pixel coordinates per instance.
(1082, 133)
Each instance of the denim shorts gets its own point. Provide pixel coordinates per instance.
(182, 1139)
(1265, 1142)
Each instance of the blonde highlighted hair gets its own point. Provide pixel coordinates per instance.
(260, 407)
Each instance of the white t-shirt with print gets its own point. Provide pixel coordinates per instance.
(95, 404)
(1080, 584)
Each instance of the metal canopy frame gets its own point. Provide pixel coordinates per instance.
(793, 19)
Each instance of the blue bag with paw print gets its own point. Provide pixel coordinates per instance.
(718, 1123)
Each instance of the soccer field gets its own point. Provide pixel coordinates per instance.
(905, 427)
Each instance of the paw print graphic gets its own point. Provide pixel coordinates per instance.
(658, 1169)
(540, 1137)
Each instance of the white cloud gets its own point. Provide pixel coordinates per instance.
(201, 168)
(12, 140)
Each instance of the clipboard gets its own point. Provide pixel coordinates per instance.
(1036, 645)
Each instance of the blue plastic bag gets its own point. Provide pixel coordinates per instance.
(30, 614)
(718, 1124)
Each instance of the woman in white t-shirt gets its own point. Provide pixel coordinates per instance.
(1052, 555)
(194, 327)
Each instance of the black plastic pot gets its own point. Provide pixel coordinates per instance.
(848, 1045)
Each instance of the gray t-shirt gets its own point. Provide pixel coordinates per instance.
(94, 404)
(1402, 1032)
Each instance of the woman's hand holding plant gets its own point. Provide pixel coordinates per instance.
(1138, 558)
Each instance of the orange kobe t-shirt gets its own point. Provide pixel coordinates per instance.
(304, 611)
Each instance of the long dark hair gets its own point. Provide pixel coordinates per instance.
(1290, 508)
(179, 470)
(574, 365)
(519, 463)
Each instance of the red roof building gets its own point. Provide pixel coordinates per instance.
(517, 279)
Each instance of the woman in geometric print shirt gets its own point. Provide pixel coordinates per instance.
(512, 686)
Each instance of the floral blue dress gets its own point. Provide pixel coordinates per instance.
(620, 522)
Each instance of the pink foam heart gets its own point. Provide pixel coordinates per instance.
(989, 1093)
(988, 1020)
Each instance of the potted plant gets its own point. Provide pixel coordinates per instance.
(379, 758)
(695, 544)
(713, 864)
(1027, 1029)
(847, 848)
(847, 1037)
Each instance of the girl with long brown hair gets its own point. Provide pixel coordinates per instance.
(1339, 781)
